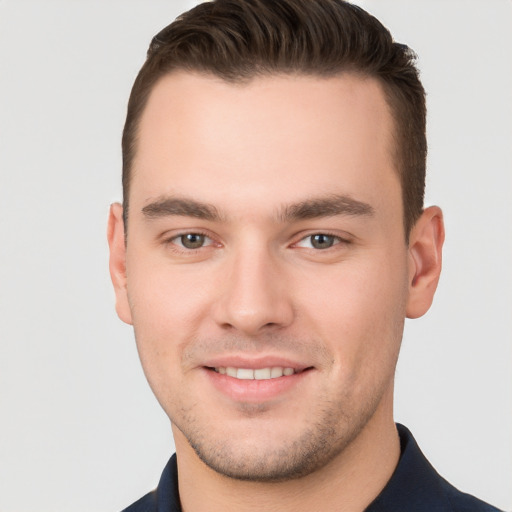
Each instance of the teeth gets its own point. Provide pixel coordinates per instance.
(262, 373)
(244, 374)
(276, 372)
(258, 374)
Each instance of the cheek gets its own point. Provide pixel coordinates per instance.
(162, 321)
(164, 296)
(167, 305)
(359, 312)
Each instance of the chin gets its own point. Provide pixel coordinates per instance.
(273, 455)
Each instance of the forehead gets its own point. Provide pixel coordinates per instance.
(269, 137)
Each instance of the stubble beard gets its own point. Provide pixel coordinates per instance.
(317, 445)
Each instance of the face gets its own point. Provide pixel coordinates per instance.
(266, 271)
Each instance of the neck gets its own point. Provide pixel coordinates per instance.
(350, 482)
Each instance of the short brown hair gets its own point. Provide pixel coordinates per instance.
(238, 40)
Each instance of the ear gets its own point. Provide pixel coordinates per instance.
(117, 261)
(425, 261)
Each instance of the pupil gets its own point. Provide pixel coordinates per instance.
(322, 241)
(192, 240)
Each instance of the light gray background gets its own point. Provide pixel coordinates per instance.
(79, 427)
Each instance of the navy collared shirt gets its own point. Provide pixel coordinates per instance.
(415, 486)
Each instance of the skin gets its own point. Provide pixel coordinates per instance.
(257, 170)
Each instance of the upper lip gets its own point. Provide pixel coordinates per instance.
(254, 363)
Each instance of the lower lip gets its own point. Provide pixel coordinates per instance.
(253, 390)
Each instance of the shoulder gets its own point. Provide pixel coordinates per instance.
(165, 497)
(462, 502)
(147, 503)
(455, 500)
(416, 486)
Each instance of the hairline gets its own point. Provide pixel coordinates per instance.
(244, 79)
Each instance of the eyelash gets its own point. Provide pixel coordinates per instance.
(336, 240)
(180, 248)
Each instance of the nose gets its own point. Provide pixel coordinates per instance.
(254, 293)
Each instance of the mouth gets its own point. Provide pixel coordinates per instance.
(273, 372)
(257, 382)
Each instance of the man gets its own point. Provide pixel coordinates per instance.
(271, 243)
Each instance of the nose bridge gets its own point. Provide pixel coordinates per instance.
(254, 295)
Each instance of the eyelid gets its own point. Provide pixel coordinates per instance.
(340, 239)
(178, 237)
(169, 239)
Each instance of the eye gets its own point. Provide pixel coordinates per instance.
(319, 241)
(192, 240)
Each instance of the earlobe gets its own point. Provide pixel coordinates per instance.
(117, 261)
(425, 260)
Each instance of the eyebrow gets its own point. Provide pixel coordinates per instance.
(317, 207)
(328, 206)
(169, 206)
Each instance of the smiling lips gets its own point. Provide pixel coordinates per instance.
(258, 384)
(256, 374)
